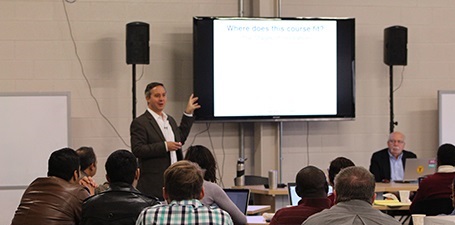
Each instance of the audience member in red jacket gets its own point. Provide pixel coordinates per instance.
(312, 186)
(439, 184)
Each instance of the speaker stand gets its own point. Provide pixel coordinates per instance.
(392, 123)
(134, 91)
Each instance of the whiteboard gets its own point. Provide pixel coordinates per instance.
(32, 126)
(8, 205)
(446, 102)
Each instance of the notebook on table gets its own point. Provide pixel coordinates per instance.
(240, 197)
(416, 168)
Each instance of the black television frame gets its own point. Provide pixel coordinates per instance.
(203, 72)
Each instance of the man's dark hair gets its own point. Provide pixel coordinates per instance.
(62, 163)
(336, 165)
(86, 156)
(311, 183)
(204, 158)
(150, 87)
(121, 166)
(446, 155)
(354, 183)
(183, 181)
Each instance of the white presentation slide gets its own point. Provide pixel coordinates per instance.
(275, 67)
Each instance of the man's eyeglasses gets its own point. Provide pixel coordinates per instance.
(396, 141)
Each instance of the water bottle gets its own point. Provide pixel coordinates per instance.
(240, 178)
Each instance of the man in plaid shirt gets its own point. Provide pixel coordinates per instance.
(183, 190)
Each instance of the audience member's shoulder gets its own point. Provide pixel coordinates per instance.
(409, 154)
(149, 199)
(219, 210)
(380, 152)
(126, 195)
(383, 151)
(282, 211)
(66, 186)
(157, 206)
(211, 186)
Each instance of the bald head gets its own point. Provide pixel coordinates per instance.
(311, 183)
(396, 143)
(354, 183)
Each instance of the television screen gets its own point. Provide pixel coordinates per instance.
(274, 69)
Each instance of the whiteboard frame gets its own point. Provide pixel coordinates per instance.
(10, 185)
(446, 110)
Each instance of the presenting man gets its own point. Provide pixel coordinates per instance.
(388, 164)
(156, 139)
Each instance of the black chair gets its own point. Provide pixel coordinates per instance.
(433, 207)
(256, 180)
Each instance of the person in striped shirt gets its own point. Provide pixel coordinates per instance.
(182, 191)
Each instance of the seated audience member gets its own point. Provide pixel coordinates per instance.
(57, 198)
(89, 163)
(354, 192)
(311, 186)
(335, 166)
(213, 194)
(388, 164)
(121, 203)
(439, 184)
(453, 199)
(182, 190)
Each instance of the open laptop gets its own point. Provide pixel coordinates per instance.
(240, 197)
(294, 198)
(416, 168)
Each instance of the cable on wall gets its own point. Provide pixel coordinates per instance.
(221, 173)
(140, 77)
(401, 80)
(307, 143)
(207, 127)
(83, 71)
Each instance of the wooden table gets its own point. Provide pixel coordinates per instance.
(255, 209)
(387, 208)
(265, 196)
(260, 189)
(380, 187)
(275, 198)
(395, 187)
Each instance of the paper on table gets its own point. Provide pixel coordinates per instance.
(391, 203)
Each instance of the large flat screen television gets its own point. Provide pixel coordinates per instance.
(274, 69)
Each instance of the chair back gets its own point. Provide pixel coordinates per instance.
(433, 207)
(256, 180)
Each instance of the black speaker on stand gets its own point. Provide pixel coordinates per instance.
(395, 53)
(137, 50)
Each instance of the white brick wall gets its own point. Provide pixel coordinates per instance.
(36, 54)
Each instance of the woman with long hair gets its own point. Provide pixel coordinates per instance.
(214, 194)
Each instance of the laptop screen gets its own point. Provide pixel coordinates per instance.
(293, 197)
(240, 197)
(418, 167)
